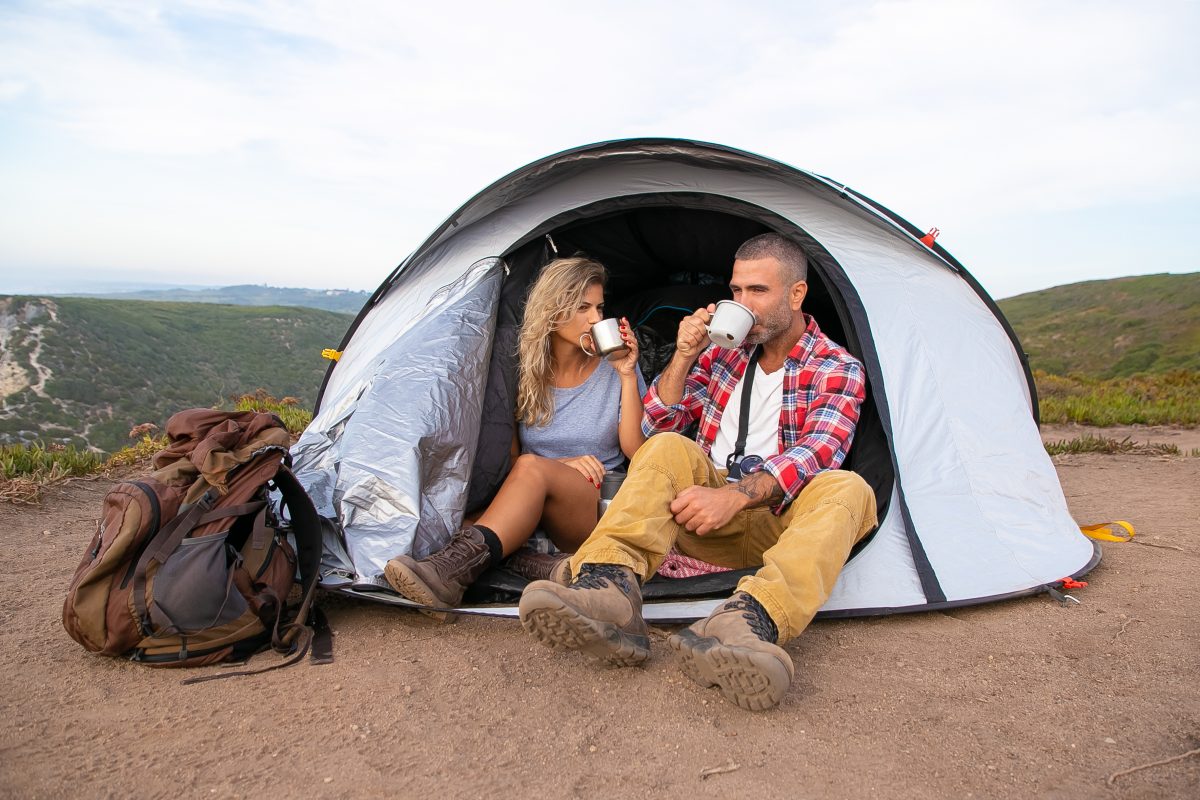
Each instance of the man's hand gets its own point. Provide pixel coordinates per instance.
(689, 343)
(703, 510)
(693, 333)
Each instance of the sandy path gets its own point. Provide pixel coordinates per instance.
(1013, 700)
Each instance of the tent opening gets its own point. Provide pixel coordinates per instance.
(666, 255)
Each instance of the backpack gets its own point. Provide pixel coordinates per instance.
(191, 565)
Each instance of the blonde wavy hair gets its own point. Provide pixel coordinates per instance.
(552, 301)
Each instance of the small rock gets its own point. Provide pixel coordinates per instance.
(1109, 740)
(329, 780)
(407, 689)
(592, 748)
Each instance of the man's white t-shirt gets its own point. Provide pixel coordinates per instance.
(766, 404)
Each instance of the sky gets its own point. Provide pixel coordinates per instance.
(315, 144)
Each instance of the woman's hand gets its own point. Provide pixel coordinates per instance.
(627, 363)
(587, 466)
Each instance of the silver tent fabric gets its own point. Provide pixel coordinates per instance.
(982, 494)
(395, 465)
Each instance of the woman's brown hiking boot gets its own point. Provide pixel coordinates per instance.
(440, 579)
(598, 614)
(541, 566)
(734, 649)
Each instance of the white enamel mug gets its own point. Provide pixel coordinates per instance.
(730, 324)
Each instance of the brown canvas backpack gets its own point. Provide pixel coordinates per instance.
(191, 565)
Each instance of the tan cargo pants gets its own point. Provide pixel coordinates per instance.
(800, 552)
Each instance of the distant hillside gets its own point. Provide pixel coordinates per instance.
(1113, 328)
(342, 301)
(86, 370)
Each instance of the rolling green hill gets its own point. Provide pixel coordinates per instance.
(1112, 328)
(85, 371)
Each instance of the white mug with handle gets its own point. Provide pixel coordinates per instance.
(730, 323)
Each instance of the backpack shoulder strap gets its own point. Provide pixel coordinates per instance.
(306, 527)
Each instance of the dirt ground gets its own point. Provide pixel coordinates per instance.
(1013, 700)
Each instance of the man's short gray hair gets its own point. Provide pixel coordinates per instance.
(772, 245)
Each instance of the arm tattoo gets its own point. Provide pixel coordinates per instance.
(761, 488)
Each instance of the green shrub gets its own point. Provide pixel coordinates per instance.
(137, 452)
(295, 419)
(1171, 398)
(1103, 444)
(46, 463)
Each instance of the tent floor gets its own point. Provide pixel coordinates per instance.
(686, 610)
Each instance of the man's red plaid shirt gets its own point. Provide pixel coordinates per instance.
(823, 389)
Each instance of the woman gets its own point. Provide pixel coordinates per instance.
(578, 416)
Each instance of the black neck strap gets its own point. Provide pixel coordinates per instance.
(739, 447)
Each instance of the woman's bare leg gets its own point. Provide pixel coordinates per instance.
(542, 490)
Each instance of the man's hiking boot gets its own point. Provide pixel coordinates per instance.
(599, 614)
(734, 649)
(541, 566)
(440, 579)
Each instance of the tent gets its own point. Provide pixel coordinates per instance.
(414, 420)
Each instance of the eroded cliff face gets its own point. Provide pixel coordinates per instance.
(22, 323)
(85, 371)
(28, 412)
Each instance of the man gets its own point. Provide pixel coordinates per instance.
(793, 513)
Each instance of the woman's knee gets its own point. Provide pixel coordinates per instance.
(528, 467)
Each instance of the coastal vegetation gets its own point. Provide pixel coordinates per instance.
(26, 468)
(77, 374)
(82, 372)
(1171, 398)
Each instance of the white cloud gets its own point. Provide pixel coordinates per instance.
(288, 126)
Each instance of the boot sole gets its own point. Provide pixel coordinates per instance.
(750, 679)
(413, 588)
(558, 626)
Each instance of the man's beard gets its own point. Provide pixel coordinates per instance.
(776, 322)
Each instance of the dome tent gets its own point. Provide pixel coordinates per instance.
(414, 421)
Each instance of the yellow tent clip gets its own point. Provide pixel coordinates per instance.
(1104, 531)
(331, 354)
